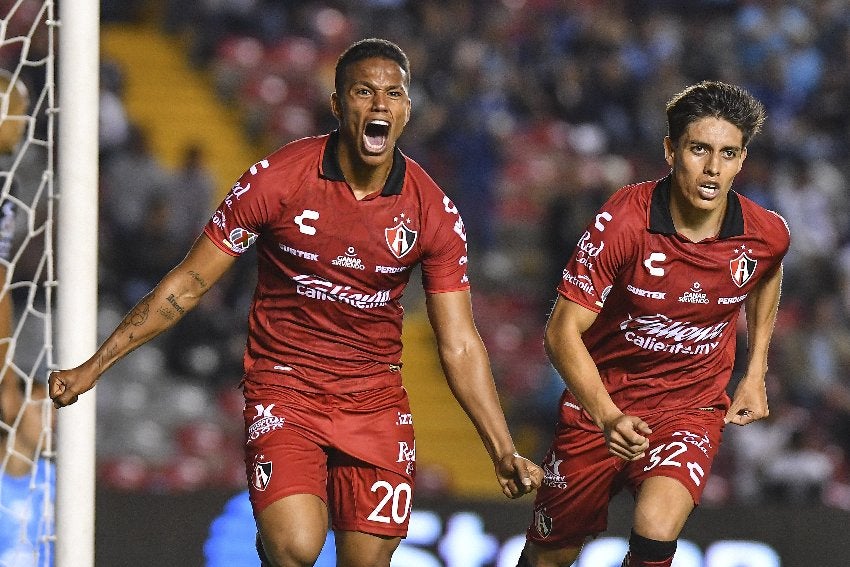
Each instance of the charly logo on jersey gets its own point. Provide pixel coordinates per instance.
(551, 472)
(262, 474)
(401, 237)
(742, 267)
(240, 239)
(349, 260)
(264, 422)
(651, 264)
(694, 295)
(302, 221)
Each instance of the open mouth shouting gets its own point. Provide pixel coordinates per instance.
(375, 136)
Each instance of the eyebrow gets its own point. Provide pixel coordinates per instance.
(707, 145)
(399, 86)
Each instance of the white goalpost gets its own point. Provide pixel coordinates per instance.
(48, 255)
(76, 315)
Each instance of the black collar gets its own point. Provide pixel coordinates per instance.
(331, 169)
(661, 221)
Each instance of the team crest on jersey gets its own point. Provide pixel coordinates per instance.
(742, 268)
(543, 522)
(262, 474)
(400, 238)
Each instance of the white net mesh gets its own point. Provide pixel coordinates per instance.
(26, 281)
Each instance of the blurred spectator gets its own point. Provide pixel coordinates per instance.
(195, 184)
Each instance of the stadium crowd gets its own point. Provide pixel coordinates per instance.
(529, 114)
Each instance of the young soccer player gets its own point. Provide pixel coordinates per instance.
(643, 333)
(338, 221)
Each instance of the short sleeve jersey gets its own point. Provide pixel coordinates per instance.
(664, 336)
(326, 314)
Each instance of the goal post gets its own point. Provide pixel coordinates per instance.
(76, 271)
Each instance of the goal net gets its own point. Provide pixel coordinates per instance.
(26, 281)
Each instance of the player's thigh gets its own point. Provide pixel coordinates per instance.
(293, 529)
(579, 477)
(285, 449)
(662, 507)
(372, 469)
(670, 479)
(358, 549)
(683, 447)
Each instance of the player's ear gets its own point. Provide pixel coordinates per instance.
(669, 150)
(335, 106)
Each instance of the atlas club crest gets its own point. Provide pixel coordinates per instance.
(400, 238)
(742, 268)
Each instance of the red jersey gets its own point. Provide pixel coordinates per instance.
(326, 314)
(664, 337)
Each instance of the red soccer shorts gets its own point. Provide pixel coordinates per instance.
(355, 451)
(581, 476)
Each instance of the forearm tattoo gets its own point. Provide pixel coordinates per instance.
(197, 277)
(138, 316)
(103, 360)
(177, 307)
(168, 313)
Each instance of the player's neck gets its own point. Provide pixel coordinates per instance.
(696, 224)
(363, 178)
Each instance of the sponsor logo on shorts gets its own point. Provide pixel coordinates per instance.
(551, 473)
(262, 473)
(701, 442)
(542, 522)
(404, 419)
(407, 454)
(264, 422)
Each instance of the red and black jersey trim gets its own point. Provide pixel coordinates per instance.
(661, 221)
(332, 170)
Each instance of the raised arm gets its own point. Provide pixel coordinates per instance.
(174, 296)
(625, 435)
(467, 368)
(761, 306)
